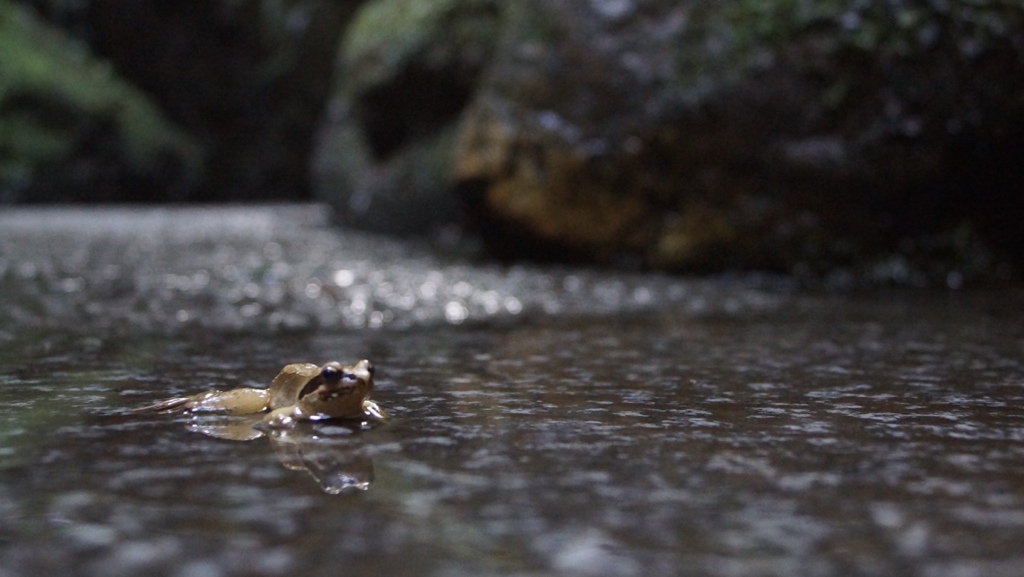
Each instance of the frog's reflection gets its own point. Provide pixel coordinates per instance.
(329, 454)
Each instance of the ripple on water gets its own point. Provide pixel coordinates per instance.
(163, 269)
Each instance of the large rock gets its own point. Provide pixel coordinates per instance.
(782, 135)
(408, 70)
(70, 129)
(688, 136)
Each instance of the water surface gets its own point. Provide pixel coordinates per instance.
(669, 427)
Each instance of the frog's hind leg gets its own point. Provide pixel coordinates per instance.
(165, 405)
(233, 402)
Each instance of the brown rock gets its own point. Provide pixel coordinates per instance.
(687, 136)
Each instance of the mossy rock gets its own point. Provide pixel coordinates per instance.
(783, 134)
(71, 129)
(407, 71)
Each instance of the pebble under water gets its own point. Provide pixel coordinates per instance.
(545, 421)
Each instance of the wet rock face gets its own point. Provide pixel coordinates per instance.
(687, 137)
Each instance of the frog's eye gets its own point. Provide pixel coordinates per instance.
(369, 369)
(330, 373)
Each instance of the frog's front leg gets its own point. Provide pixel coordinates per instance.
(373, 411)
(233, 402)
(284, 417)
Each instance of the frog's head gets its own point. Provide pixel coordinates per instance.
(338, 390)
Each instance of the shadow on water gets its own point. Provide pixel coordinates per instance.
(814, 435)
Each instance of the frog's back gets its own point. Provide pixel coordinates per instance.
(284, 390)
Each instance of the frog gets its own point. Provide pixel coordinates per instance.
(300, 392)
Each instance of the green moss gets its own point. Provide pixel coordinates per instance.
(387, 34)
(853, 47)
(897, 27)
(54, 94)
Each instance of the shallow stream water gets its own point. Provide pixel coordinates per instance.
(545, 421)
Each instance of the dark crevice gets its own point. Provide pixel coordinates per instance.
(416, 104)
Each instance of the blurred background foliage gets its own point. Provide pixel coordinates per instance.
(64, 111)
(881, 136)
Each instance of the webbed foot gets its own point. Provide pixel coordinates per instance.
(373, 411)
